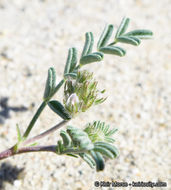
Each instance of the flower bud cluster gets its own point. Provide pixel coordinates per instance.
(81, 93)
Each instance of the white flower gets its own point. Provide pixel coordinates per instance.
(72, 100)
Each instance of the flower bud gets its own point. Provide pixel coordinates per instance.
(72, 100)
(81, 93)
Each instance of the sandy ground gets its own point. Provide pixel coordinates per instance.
(35, 35)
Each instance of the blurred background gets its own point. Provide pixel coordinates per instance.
(35, 35)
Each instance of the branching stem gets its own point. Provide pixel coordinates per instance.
(9, 152)
(51, 130)
(34, 119)
(39, 111)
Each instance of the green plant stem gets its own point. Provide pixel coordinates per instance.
(34, 119)
(16, 150)
(39, 111)
(47, 132)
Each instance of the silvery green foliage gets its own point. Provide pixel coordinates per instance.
(92, 149)
(59, 109)
(95, 142)
(132, 37)
(87, 55)
(98, 131)
(50, 83)
(71, 63)
(80, 91)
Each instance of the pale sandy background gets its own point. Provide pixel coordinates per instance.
(35, 35)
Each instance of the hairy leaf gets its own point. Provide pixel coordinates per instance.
(59, 109)
(122, 27)
(50, 83)
(89, 41)
(109, 140)
(113, 50)
(129, 40)
(53, 78)
(142, 34)
(70, 75)
(93, 57)
(65, 137)
(71, 61)
(105, 36)
(98, 158)
(111, 132)
(87, 158)
(80, 138)
(86, 144)
(108, 146)
(104, 151)
(98, 131)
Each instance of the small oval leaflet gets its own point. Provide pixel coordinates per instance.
(104, 151)
(59, 109)
(71, 60)
(113, 50)
(65, 137)
(93, 57)
(87, 158)
(98, 158)
(88, 46)
(106, 34)
(122, 27)
(50, 83)
(70, 75)
(142, 34)
(108, 146)
(129, 40)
